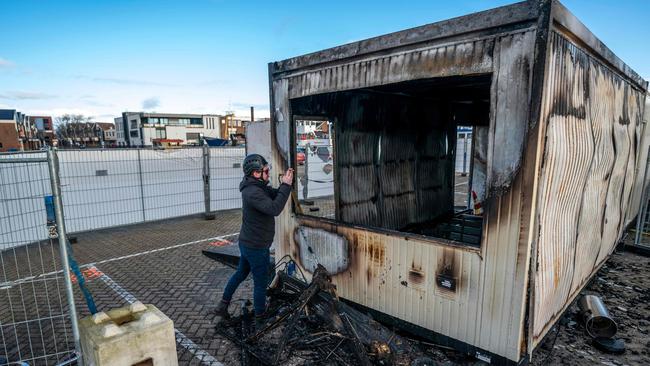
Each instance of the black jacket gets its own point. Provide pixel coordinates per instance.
(260, 205)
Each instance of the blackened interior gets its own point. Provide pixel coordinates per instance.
(394, 152)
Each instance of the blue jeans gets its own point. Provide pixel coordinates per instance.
(256, 261)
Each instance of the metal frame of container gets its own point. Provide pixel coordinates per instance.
(565, 166)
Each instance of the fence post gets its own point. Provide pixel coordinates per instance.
(642, 215)
(144, 216)
(208, 214)
(465, 155)
(53, 167)
(305, 187)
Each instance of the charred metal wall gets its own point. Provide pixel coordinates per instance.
(564, 154)
(399, 275)
(592, 117)
(395, 154)
(641, 167)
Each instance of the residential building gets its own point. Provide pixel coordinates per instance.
(140, 128)
(44, 130)
(120, 132)
(232, 125)
(9, 140)
(212, 125)
(110, 134)
(27, 132)
(19, 131)
(86, 134)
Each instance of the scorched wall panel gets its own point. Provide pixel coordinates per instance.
(397, 275)
(593, 124)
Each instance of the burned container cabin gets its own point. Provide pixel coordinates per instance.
(483, 258)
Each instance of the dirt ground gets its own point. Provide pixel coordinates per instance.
(623, 283)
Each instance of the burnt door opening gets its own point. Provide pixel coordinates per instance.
(396, 154)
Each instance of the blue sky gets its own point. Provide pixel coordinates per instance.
(100, 58)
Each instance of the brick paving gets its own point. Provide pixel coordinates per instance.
(181, 282)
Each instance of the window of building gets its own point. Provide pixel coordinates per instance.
(134, 124)
(392, 157)
(183, 121)
(134, 133)
(161, 133)
(0, 145)
(196, 121)
(193, 137)
(314, 162)
(154, 121)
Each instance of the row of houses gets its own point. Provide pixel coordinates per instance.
(87, 134)
(19, 131)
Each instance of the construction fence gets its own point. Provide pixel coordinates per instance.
(47, 195)
(642, 230)
(116, 187)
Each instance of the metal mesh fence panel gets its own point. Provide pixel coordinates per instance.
(225, 175)
(34, 314)
(100, 189)
(172, 183)
(116, 187)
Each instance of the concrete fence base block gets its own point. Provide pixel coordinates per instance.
(128, 336)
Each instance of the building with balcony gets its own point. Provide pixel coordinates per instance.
(109, 134)
(141, 129)
(27, 132)
(19, 131)
(44, 130)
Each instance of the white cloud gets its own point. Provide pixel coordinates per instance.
(92, 101)
(55, 112)
(5, 63)
(120, 81)
(150, 103)
(22, 95)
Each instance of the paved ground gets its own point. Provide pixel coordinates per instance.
(461, 189)
(161, 263)
(158, 263)
(181, 282)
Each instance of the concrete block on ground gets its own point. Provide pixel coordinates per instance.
(130, 335)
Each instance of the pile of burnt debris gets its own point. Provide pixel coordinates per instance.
(307, 324)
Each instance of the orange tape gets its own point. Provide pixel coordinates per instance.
(221, 243)
(89, 274)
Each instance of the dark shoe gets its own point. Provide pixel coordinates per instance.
(222, 310)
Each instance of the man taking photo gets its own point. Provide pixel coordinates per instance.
(260, 204)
